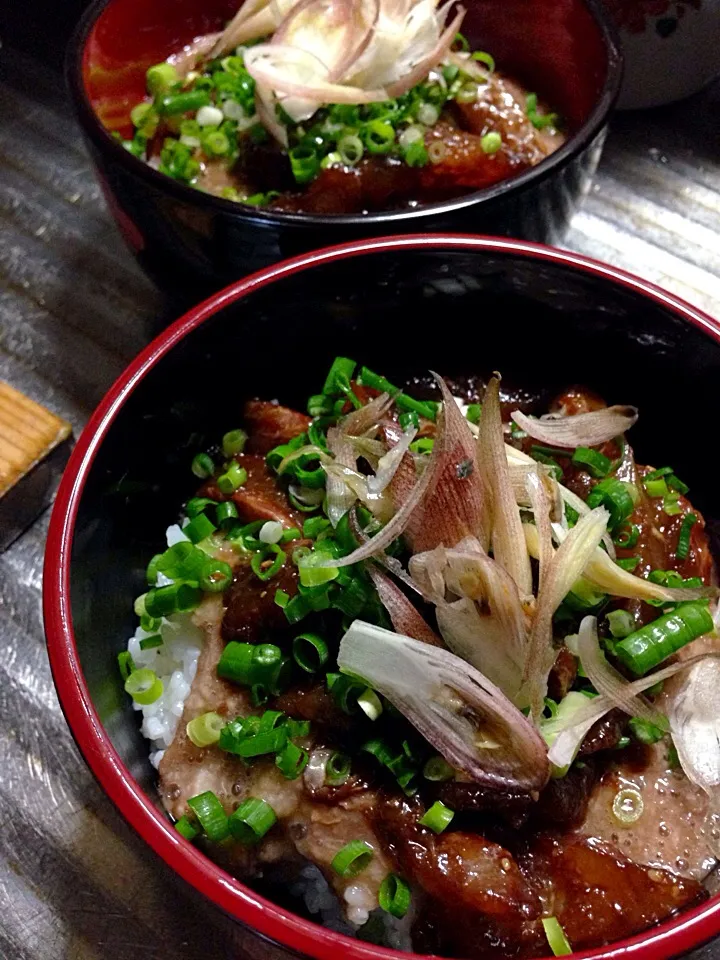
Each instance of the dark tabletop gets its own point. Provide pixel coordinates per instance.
(75, 882)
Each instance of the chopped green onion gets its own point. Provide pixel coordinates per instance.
(320, 405)
(656, 474)
(556, 938)
(653, 643)
(596, 463)
(468, 93)
(186, 828)
(314, 526)
(409, 419)
(310, 652)
(491, 142)
(216, 576)
(248, 664)
(437, 770)
(671, 504)
(198, 505)
(438, 817)
(144, 686)
(350, 148)
(337, 769)
(485, 58)
(656, 488)
(233, 478)
(628, 563)
(628, 805)
(644, 731)
(174, 598)
(676, 484)
(212, 816)
(345, 691)
(621, 623)
(161, 77)
(296, 609)
(352, 859)
(282, 598)
(258, 745)
(252, 820)
(270, 532)
(370, 704)
(205, 729)
(289, 535)
(304, 163)
(125, 664)
(226, 513)
(215, 143)
(584, 596)
(199, 528)
(416, 154)
(473, 412)
(171, 104)
(394, 896)
(683, 547)
(233, 442)
(291, 761)
(150, 624)
(627, 536)
(555, 467)
(312, 575)
(297, 728)
(149, 643)
(202, 466)
(152, 569)
(423, 408)
(262, 567)
(259, 694)
(339, 376)
(617, 496)
(379, 136)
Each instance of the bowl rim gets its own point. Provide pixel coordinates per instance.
(689, 930)
(390, 219)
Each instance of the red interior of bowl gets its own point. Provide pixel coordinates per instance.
(553, 46)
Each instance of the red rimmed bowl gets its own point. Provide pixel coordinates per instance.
(462, 304)
(565, 49)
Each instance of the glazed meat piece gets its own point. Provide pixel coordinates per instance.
(564, 800)
(270, 424)
(605, 734)
(259, 498)
(562, 674)
(512, 807)
(313, 702)
(313, 830)
(457, 869)
(598, 895)
(251, 614)
(501, 106)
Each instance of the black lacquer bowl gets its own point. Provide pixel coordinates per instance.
(460, 305)
(564, 49)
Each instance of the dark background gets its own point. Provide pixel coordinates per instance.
(40, 27)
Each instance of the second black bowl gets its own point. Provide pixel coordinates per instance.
(565, 49)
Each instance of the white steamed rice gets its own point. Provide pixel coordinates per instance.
(175, 663)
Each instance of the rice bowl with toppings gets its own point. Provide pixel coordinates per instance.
(435, 626)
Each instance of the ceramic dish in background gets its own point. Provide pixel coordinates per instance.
(566, 51)
(542, 316)
(671, 48)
